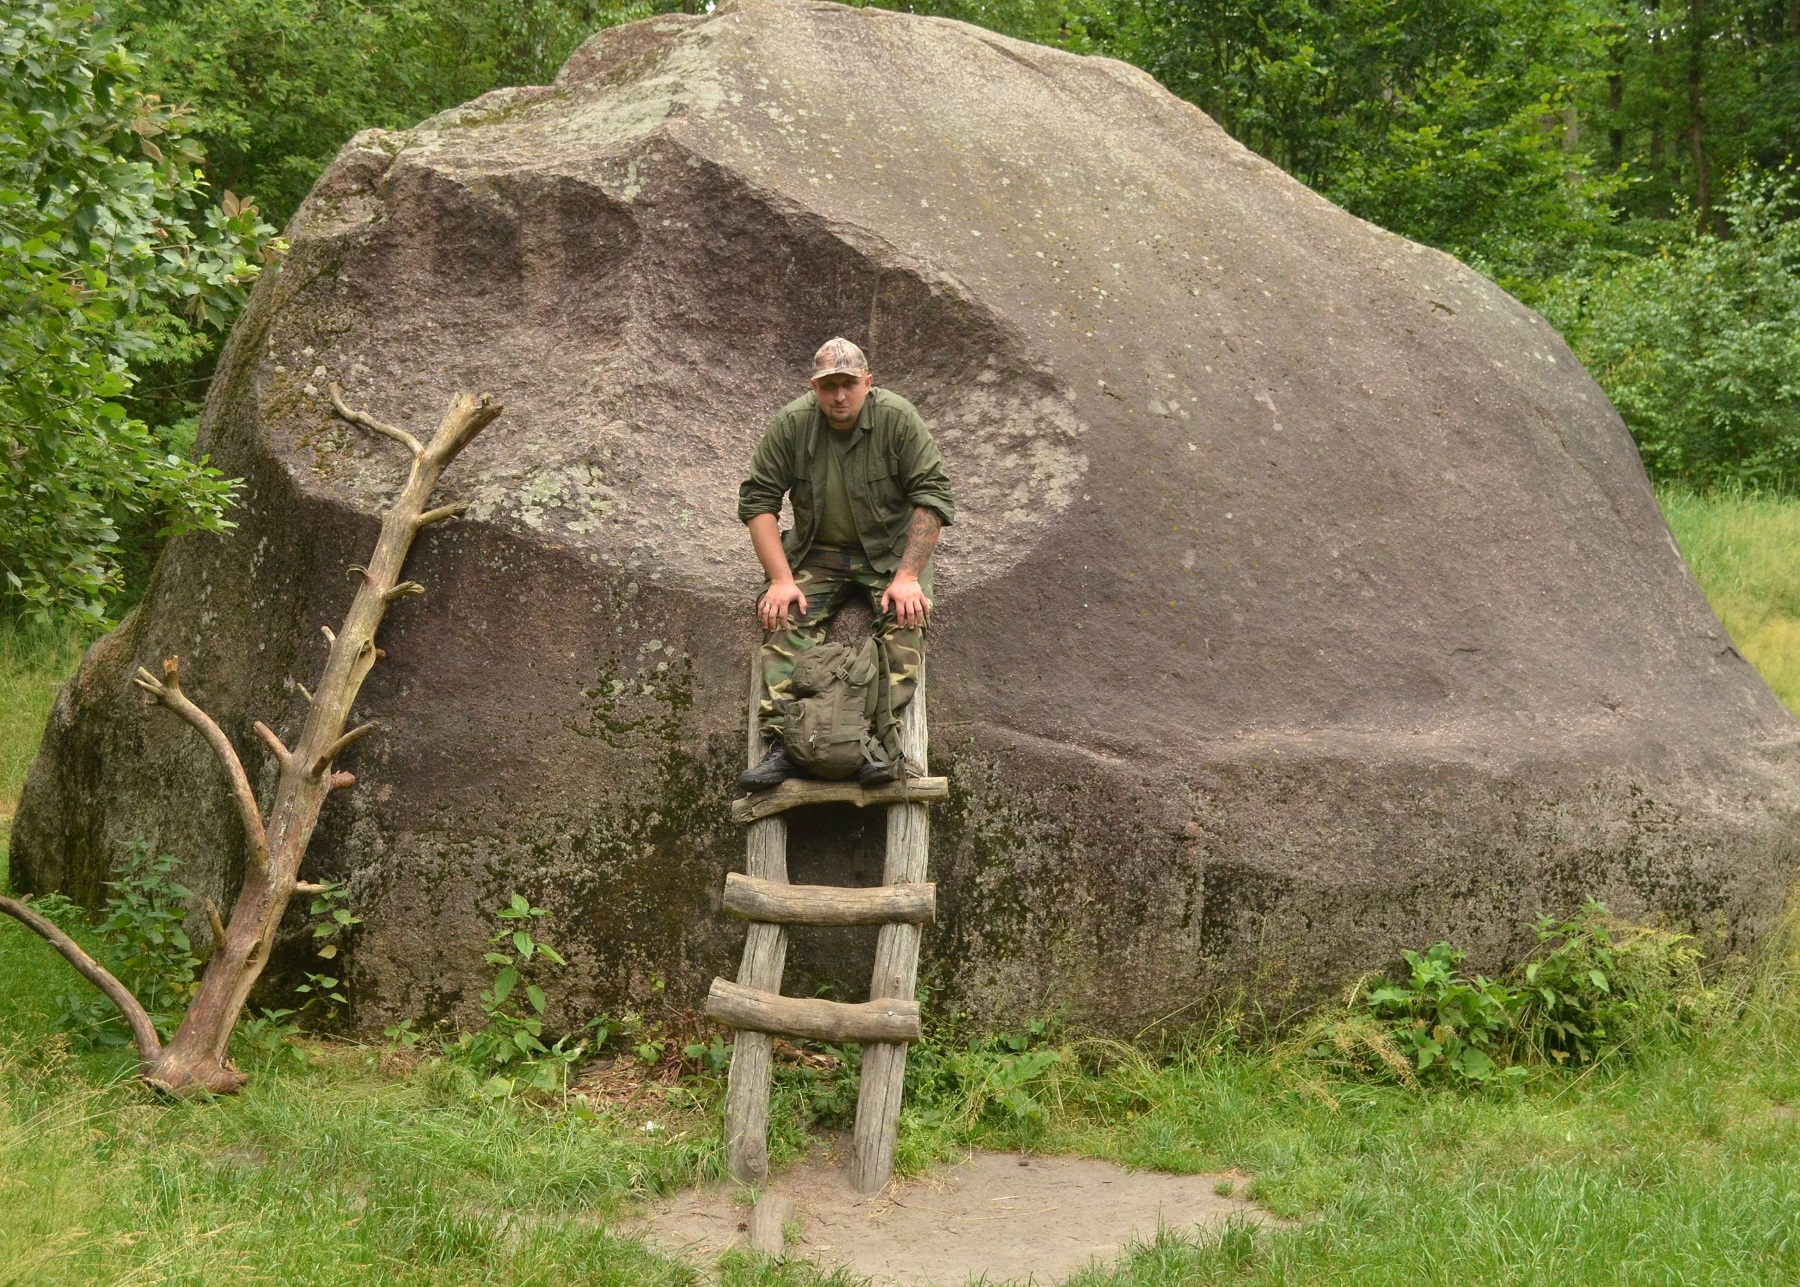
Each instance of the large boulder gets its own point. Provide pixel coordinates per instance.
(1309, 601)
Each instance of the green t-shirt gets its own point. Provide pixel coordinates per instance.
(837, 522)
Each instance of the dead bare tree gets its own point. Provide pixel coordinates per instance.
(196, 1057)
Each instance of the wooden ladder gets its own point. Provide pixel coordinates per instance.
(901, 905)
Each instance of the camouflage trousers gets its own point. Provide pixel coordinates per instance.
(828, 578)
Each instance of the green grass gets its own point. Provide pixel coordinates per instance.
(1680, 1167)
(345, 1171)
(34, 662)
(1745, 550)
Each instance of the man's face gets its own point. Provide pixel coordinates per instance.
(842, 397)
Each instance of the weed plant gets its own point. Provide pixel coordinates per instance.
(1597, 987)
(141, 940)
(509, 1052)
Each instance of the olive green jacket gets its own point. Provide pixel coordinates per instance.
(890, 468)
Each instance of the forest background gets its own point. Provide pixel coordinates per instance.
(1624, 166)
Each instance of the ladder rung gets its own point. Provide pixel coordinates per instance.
(798, 791)
(814, 1020)
(775, 903)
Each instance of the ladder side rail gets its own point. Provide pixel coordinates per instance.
(896, 973)
(765, 957)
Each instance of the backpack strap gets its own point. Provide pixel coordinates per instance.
(884, 727)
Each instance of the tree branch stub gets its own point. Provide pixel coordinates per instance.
(276, 746)
(337, 748)
(441, 513)
(215, 922)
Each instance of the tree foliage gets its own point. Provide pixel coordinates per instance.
(1691, 94)
(108, 250)
(277, 86)
(1450, 122)
(1699, 344)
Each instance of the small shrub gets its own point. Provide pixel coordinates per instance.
(1597, 985)
(404, 1035)
(713, 1056)
(331, 920)
(1445, 1024)
(1006, 1075)
(821, 1092)
(267, 1038)
(142, 942)
(997, 1079)
(1602, 985)
(510, 1053)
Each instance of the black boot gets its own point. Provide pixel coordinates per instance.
(880, 773)
(775, 769)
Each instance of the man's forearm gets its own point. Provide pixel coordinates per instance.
(765, 539)
(921, 540)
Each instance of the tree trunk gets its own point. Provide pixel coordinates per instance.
(1659, 163)
(1697, 114)
(196, 1057)
(1615, 103)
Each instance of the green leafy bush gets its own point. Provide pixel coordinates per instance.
(1443, 1021)
(141, 941)
(1698, 343)
(712, 1056)
(509, 1054)
(998, 1079)
(108, 249)
(1597, 986)
(1602, 985)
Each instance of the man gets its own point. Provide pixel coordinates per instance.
(869, 497)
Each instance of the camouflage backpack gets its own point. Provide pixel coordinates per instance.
(840, 695)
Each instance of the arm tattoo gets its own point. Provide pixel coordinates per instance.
(921, 540)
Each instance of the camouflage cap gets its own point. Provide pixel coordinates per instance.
(839, 357)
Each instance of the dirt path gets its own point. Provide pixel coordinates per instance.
(1002, 1215)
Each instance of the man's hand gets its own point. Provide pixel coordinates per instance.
(906, 600)
(772, 608)
(904, 597)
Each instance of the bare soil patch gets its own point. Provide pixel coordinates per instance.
(1003, 1215)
